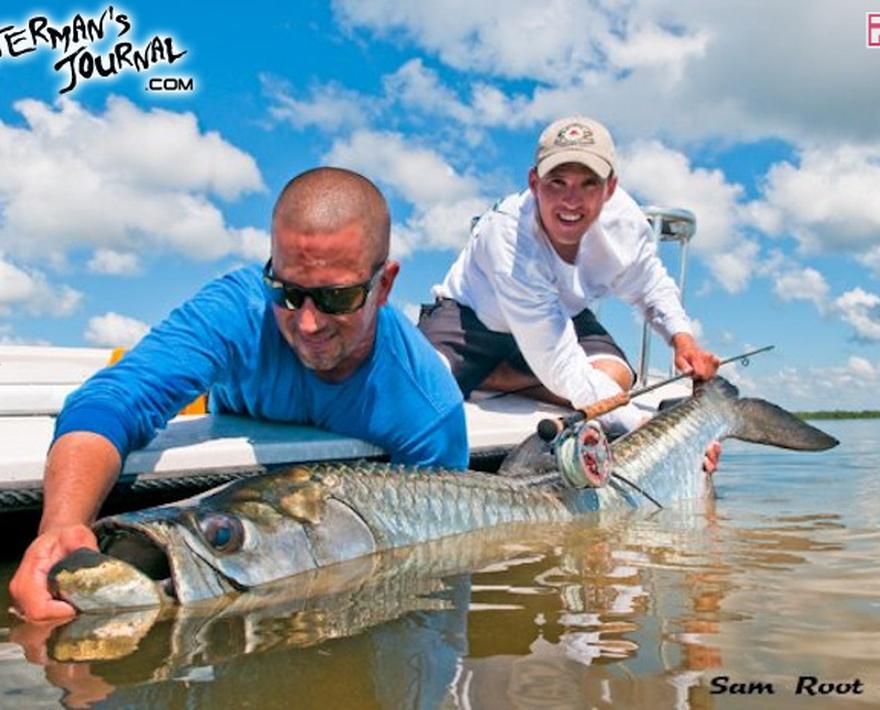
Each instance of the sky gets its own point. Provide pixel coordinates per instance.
(120, 195)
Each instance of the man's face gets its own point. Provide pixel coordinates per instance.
(570, 198)
(331, 345)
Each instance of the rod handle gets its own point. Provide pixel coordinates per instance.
(549, 429)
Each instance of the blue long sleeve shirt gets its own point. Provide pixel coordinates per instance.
(225, 340)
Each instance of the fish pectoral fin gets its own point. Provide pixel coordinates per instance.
(761, 422)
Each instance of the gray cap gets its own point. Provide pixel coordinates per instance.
(575, 139)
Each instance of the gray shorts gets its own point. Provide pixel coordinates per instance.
(473, 350)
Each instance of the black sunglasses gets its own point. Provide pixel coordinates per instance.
(332, 300)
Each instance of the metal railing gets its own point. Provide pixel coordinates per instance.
(670, 224)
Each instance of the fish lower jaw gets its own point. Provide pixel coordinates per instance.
(91, 581)
(133, 570)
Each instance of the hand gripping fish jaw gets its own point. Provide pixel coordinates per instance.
(583, 455)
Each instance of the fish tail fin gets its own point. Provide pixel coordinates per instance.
(762, 422)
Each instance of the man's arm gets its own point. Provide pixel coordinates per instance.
(80, 470)
(120, 408)
(646, 284)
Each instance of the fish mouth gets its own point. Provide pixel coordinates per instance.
(141, 550)
(139, 564)
(130, 572)
(161, 547)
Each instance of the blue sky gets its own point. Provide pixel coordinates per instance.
(762, 118)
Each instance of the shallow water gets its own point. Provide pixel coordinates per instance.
(774, 581)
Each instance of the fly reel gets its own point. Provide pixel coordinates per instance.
(583, 455)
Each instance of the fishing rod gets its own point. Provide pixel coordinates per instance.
(549, 429)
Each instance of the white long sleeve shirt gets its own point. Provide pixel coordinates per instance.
(514, 280)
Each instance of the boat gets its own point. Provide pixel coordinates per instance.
(198, 451)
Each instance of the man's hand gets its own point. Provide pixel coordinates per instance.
(691, 359)
(711, 456)
(29, 587)
(80, 470)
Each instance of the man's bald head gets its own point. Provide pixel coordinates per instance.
(326, 200)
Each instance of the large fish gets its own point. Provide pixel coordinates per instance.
(280, 524)
(328, 602)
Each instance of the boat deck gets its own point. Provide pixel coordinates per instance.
(206, 448)
(34, 381)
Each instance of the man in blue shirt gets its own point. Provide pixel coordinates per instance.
(311, 340)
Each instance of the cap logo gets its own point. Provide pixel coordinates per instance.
(575, 134)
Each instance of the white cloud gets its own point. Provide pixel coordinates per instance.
(412, 311)
(857, 308)
(7, 337)
(684, 71)
(828, 201)
(413, 94)
(863, 368)
(542, 40)
(851, 385)
(734, 269)
(492, 107)
(108, 261)
(861, 310)
(554, 42)
(15, 284)
(418, 174)
(420, 88)
(253, 244)
(64, 302)
(651, 45)
(329, 107)
(30, 288)
(115, 331)
(871, 259)
(126, 180)
(443, 201)
(802, 285)
(661, 176)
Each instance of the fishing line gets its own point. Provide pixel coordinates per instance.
(640, 490)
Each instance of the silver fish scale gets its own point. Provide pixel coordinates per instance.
(436, 503)
(665, 456)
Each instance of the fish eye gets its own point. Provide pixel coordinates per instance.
(223, 533)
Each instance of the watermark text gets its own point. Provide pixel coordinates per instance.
(91, 47)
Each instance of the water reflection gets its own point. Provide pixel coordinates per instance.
(562, 599)
(635, 611)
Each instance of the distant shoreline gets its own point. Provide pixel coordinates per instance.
(840, 414)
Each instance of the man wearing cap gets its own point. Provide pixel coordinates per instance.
(514, 311)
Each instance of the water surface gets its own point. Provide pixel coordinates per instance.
(774, 581)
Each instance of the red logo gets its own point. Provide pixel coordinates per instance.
(872, 21)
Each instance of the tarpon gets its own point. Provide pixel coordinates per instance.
(280, 524)
(340, 600)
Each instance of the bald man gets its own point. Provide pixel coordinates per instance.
(309, 340)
